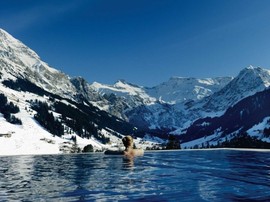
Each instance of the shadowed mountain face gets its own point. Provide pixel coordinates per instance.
(237, 119)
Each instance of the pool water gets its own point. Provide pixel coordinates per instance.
(211, 175)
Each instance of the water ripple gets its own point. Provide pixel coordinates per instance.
(157, 176)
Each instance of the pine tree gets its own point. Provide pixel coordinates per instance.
(173, 143)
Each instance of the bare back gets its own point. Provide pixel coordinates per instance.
(133, 152)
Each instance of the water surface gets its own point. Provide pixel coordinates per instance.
(215, 175)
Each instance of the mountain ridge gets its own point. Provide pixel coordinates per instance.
(171, 107)
(19, 60)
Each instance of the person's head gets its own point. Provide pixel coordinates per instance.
(127, 141)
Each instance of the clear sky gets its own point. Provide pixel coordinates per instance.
(144, 42)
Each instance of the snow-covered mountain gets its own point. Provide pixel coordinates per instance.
(19, 61)
(102, 112)
(175, 90)
(155, 107)
(176, 104)
(250, 116)
(249, 81)
(46, 97)
(179, 89)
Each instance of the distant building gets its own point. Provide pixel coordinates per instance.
(7, 135)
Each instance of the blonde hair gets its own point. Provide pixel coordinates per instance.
(127, 141)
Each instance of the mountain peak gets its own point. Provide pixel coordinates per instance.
(19, 61)
(252, 69)
(249, 81)
(255, 73)
(12, 47)
(8, 40)
(121, 83)
(181, 89)
(4, 34)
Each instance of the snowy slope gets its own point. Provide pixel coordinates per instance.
(175, 90)
(19, 61)
(155, 107)
(249, 116)
(121, 98)
(30, 137)
(248, 82)
(125, 90)
(179, 101)
(179, 89)
(172, 106)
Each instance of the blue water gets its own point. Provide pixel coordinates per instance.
(220, 175)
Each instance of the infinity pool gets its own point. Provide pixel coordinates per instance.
(214, 175)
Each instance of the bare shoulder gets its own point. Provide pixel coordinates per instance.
(135, 152)
(138, 152)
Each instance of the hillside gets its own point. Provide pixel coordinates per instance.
(250, 116)
(51, 112)
(46, 110)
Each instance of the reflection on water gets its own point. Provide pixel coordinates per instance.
(128, 163)
(221, 175)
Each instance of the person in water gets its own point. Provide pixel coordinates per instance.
(129, 150)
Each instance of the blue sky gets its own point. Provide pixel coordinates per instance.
(144, 42)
